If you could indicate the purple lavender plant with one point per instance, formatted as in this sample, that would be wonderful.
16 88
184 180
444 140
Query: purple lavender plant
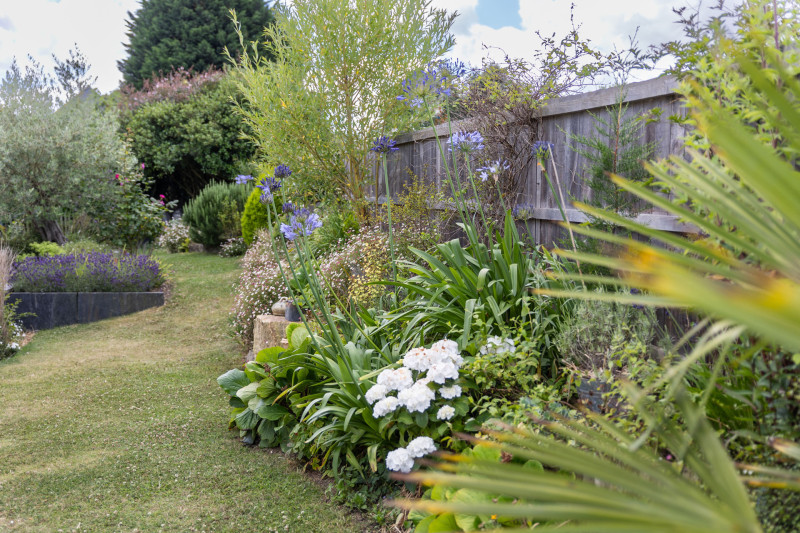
87 272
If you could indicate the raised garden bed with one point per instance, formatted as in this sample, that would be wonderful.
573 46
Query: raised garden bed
54 309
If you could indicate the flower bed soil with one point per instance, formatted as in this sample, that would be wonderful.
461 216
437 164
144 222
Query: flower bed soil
54 309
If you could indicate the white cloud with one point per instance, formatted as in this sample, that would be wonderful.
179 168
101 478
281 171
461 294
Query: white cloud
605 24
41 28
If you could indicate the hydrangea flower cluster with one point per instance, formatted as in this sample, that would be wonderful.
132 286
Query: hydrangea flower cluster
301 222
496 345
466 142
433 366
493 169
384 145
402 459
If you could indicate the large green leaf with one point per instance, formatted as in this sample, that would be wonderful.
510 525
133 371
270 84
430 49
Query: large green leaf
233 380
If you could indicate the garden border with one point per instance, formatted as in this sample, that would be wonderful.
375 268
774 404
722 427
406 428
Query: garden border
54 309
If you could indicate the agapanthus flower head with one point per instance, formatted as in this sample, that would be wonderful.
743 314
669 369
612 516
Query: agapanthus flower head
302 222
523 211
493 169
455 68
282 171
431 82
384 145
466 142
287 207
541 148
268 187
241 179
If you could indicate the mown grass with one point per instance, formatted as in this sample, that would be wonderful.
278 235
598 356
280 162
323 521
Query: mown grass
120 426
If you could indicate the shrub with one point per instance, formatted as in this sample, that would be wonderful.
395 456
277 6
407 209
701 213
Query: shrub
233 247
175 237
79 246
45 249
10 331
202 213
254 216
185 129
260 285
92 272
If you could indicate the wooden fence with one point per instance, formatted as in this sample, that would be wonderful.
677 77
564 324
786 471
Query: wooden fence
419 154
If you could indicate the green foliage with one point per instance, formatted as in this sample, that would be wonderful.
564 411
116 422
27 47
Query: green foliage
333 85
254 216
186 139
57 157
46 249
175 237
597 332
84 246
167 34
202 213
133 219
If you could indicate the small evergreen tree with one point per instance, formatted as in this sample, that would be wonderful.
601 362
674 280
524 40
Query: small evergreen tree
168 34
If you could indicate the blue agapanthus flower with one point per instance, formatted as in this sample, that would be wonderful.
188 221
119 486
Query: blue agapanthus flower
465 141
282 171
268 187
241 179
433 82
492 169
287 207
384 145
302 222
541 148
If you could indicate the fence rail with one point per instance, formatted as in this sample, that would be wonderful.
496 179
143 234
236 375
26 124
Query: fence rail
561 118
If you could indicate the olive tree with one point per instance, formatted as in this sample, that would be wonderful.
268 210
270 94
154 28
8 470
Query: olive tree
57 158
324 81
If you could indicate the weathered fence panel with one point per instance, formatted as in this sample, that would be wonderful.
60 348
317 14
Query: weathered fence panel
419 154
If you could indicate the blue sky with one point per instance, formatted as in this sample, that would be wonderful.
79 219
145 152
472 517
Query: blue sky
485 27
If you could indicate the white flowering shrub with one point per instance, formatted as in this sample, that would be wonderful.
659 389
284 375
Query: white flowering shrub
427 399
233 247
10 336
175 236
260 285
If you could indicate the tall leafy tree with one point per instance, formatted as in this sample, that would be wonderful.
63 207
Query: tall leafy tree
169 34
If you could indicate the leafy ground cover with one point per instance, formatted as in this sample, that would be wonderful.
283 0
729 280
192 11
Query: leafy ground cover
115 426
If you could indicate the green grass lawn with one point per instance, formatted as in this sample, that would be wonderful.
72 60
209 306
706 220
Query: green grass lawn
120 426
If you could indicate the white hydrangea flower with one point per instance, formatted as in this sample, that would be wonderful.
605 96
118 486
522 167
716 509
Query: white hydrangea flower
417 398
421 359
375 393
421 446
497 344
441 372
445 353
448 393
385 406
446 412
399 460
446 345
398 379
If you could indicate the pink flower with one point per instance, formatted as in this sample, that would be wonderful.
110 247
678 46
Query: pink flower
116 176
142 166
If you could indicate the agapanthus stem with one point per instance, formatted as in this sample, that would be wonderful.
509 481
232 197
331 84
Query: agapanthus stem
389 216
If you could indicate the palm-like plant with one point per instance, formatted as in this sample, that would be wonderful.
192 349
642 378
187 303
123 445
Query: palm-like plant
746 272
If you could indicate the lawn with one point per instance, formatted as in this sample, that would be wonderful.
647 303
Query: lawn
120 426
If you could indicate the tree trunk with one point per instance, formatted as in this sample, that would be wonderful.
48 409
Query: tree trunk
51 231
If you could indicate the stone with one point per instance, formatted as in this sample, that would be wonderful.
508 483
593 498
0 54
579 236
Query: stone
269 331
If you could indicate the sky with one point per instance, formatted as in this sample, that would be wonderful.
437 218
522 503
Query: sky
41 28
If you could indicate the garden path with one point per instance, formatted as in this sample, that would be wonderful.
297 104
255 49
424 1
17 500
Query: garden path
120 426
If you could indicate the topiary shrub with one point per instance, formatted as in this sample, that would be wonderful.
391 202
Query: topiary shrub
202 213
254 217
